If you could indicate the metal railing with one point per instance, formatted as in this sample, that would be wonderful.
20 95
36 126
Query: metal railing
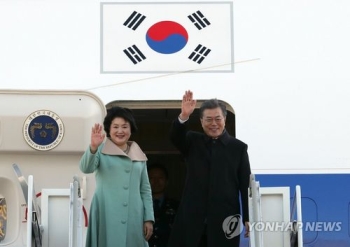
296 237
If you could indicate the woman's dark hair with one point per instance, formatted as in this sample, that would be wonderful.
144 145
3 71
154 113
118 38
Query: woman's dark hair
121 112
212 104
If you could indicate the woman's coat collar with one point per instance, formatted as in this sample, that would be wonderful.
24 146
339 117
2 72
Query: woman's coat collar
135 152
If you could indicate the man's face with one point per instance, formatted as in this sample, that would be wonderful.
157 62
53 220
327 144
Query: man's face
213 122
157 180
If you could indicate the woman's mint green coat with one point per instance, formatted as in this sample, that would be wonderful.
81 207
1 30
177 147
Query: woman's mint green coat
122 201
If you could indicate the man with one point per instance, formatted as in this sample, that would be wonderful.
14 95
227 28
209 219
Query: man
164 208
218 173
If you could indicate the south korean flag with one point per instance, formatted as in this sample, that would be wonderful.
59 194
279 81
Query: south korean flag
161 37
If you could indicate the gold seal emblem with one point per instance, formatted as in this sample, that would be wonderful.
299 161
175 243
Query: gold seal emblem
43 130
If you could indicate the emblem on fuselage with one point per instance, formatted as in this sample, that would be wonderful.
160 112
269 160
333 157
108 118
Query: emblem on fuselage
43 130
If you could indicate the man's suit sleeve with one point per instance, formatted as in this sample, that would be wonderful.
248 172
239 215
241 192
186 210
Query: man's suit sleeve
244 177
178 134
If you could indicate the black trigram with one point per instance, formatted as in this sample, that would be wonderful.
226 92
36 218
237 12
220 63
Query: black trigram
199 54
134 20
134 54
199 20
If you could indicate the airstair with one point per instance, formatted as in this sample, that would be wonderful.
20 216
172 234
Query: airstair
275 219
55 227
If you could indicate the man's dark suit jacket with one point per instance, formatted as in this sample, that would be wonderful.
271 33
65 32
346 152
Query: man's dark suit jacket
218 172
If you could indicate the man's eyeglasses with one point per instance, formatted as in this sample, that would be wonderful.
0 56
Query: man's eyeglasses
210 120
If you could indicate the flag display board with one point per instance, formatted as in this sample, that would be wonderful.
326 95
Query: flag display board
159 37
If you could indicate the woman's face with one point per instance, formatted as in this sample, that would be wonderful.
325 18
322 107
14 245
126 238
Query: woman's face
120 132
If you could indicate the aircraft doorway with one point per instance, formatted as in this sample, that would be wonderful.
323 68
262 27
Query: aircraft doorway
153 119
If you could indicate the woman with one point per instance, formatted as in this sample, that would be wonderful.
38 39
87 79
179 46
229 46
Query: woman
121 213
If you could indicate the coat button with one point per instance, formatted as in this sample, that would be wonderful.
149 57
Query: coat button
125 204
126 187
123 221
127 170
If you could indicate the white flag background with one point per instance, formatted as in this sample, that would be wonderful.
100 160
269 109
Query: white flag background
116 37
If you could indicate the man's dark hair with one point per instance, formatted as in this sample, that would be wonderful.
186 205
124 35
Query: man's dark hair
121 112
158 166
212 104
